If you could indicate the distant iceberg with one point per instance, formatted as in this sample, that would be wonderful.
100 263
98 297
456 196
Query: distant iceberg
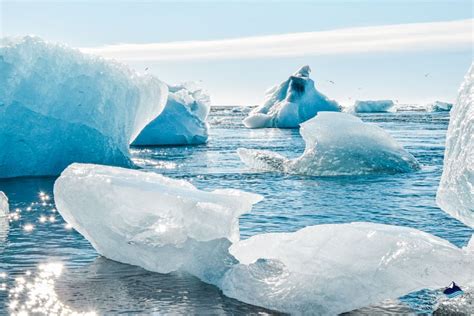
290 103
337 144
152 221
373 106
456 189
335 268
439 106
59 106
182 122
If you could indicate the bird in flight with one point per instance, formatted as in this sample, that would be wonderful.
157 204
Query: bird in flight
427 74
331 81
146 68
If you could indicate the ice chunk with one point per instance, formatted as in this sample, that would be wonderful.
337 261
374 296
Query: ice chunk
439 106
4 224
59 106
336 268
148 220
337 144
456 189
182 122
373 106
290 103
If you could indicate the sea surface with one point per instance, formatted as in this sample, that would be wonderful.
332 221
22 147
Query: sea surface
45 266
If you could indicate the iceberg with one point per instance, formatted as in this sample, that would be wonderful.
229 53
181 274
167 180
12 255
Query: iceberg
290 103
456 189
59 106
439 106
373 106
182 122
337 144
335 268
148 220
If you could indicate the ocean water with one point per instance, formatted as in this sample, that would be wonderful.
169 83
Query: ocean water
45 266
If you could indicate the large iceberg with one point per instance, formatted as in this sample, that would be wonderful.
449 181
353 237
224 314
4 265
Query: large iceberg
337 144
456 189
335 268
59 106
372 106
148 220
290 103
439 106
182 122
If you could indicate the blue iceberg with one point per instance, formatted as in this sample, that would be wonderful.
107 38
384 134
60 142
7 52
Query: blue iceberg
182 122
59 106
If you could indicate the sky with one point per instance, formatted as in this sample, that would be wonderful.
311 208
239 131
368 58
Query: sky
410 51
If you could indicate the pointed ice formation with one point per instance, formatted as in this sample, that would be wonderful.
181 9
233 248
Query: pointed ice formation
182 122
337 144
456 189
290 103
59 106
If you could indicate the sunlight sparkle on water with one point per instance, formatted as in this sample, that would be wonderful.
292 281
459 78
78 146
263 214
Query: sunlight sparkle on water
34 293
28 227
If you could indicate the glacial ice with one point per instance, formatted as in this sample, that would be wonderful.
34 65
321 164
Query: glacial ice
337 144
145 219
59 106
290 103
456 189
182 122
335 268
148 220
4 223
439 106
4 208
372 106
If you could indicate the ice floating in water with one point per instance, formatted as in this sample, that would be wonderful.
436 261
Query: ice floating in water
163 225
290 103
148 220
373 106
439 106
456 189
330 269
4 224
182 122
337 144
59 106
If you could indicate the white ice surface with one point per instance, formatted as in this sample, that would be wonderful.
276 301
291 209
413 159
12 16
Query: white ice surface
148 220
337 144
456 189
373 106
182 122
335 268
59 106
290 103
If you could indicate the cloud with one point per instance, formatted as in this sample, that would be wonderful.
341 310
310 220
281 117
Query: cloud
433 36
